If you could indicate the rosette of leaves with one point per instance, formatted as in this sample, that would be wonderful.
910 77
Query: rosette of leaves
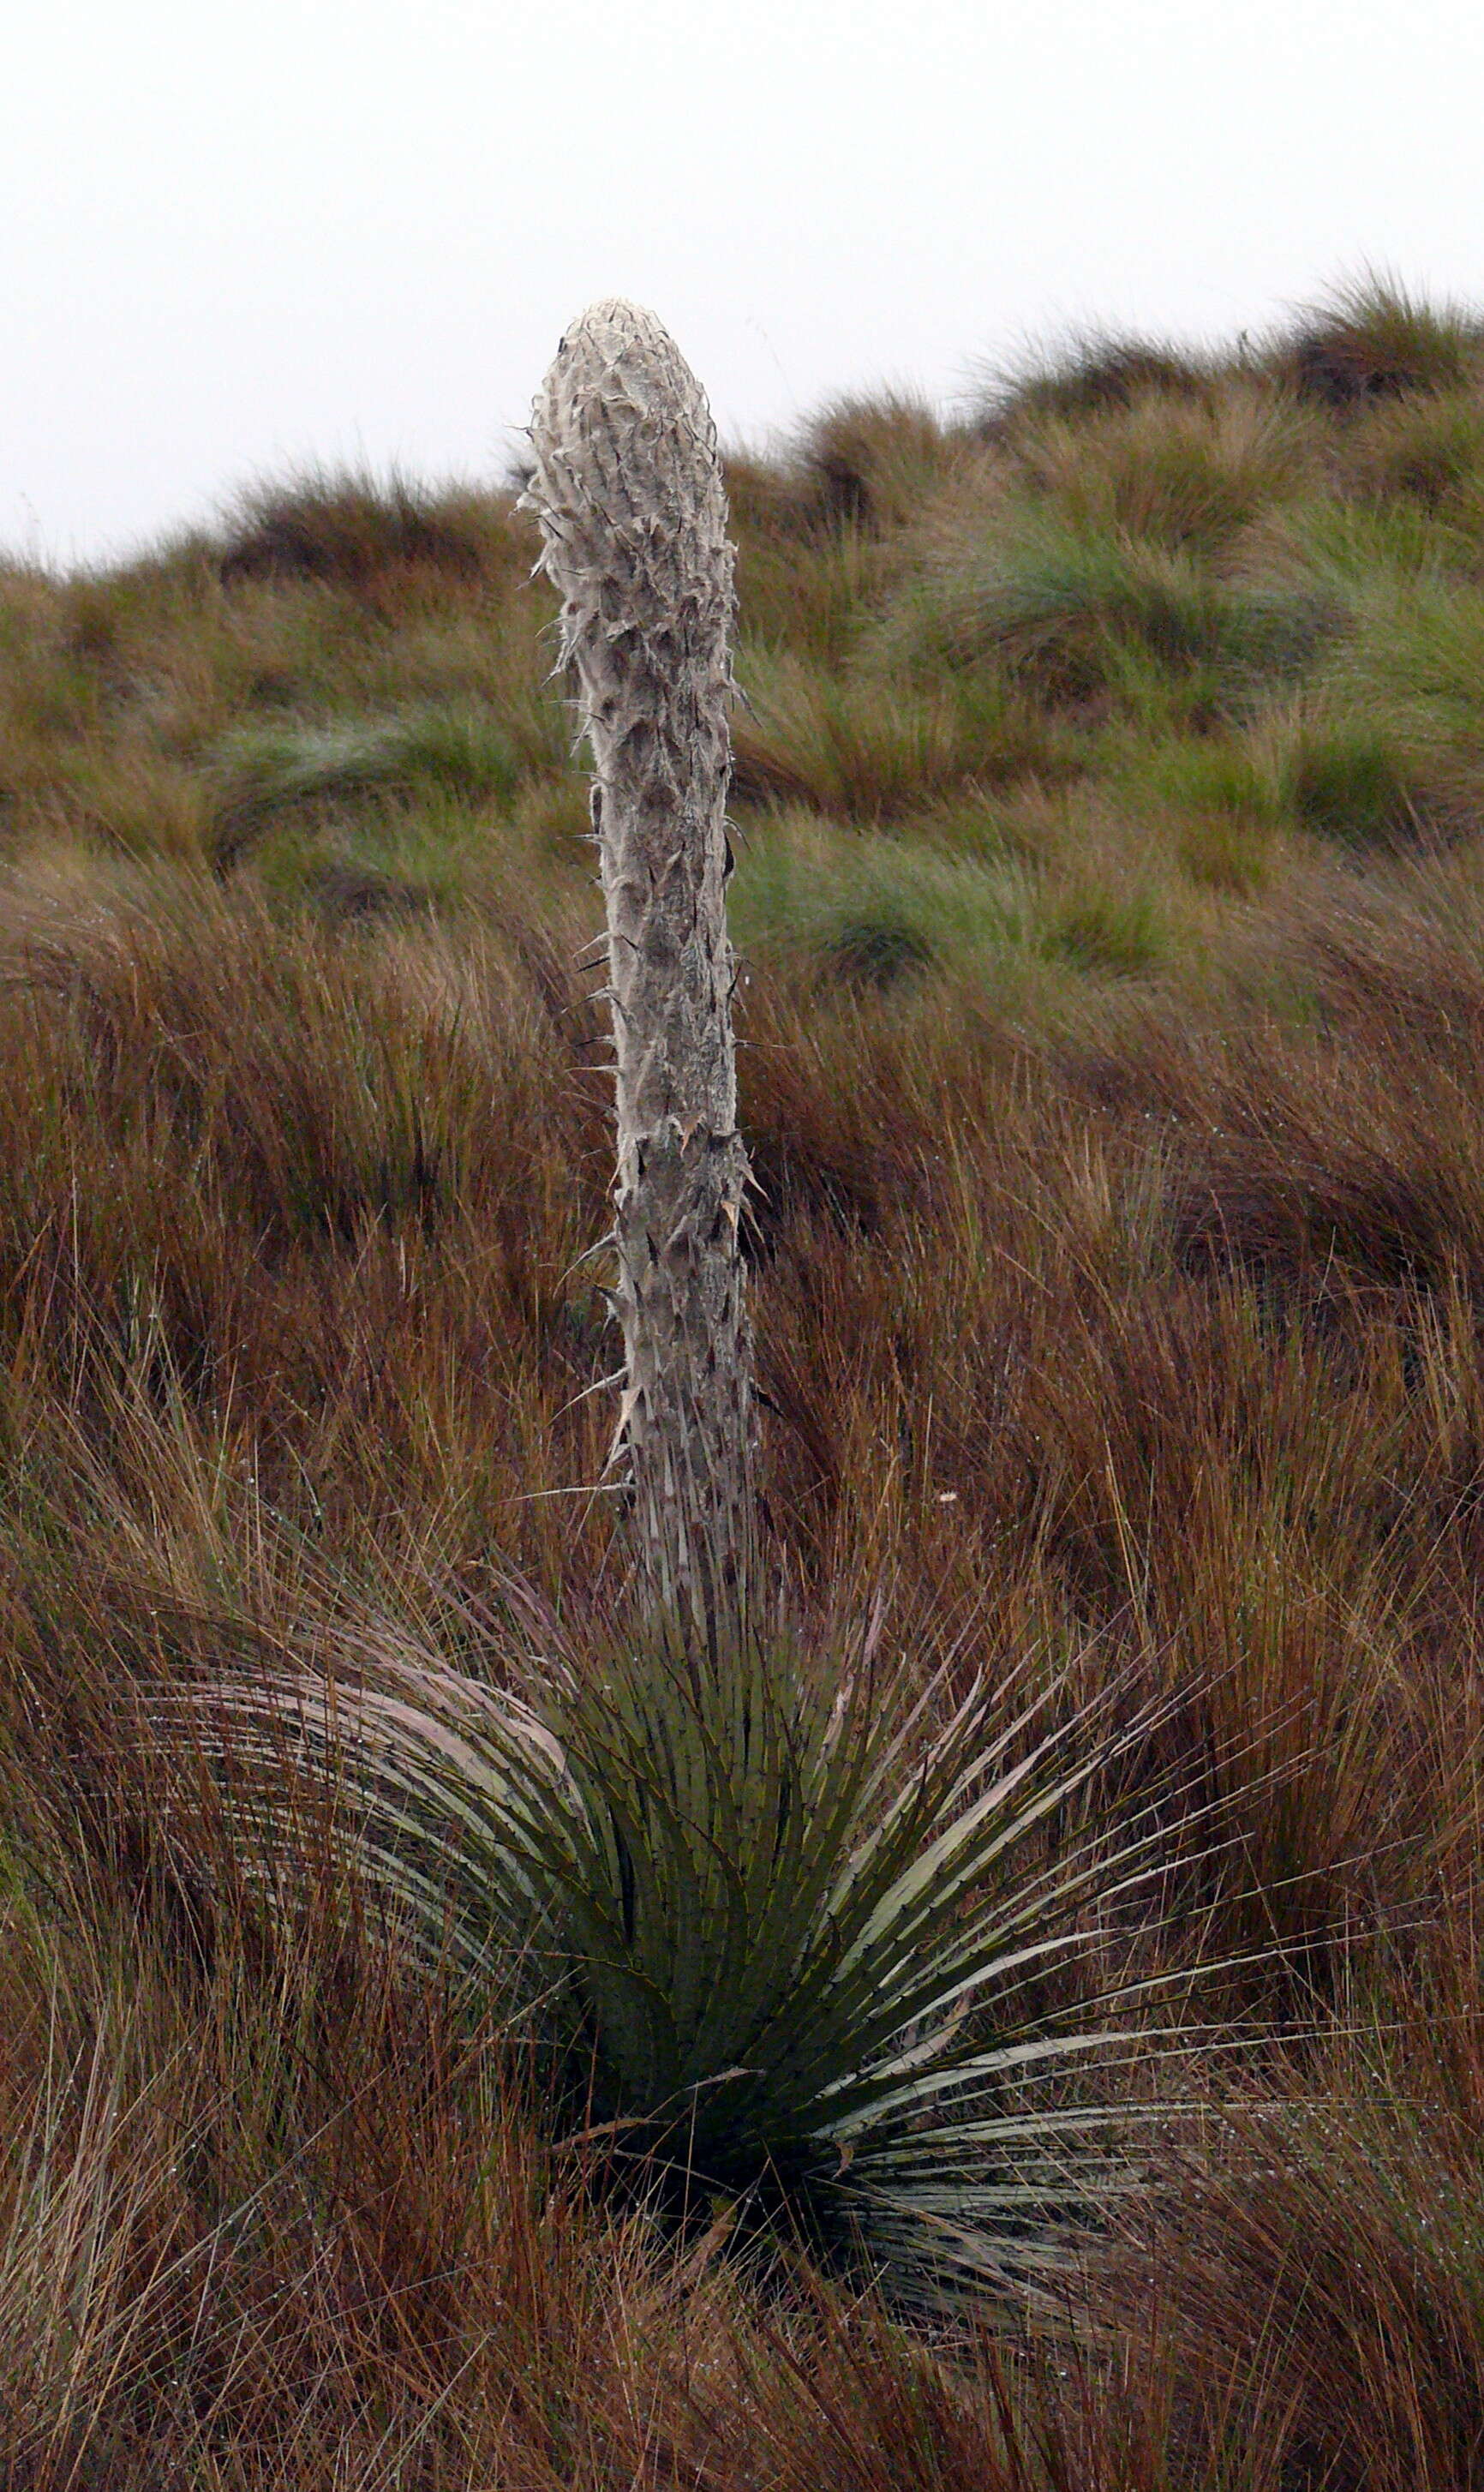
786 1945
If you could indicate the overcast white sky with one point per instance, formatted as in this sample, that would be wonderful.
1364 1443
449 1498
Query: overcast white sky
241 235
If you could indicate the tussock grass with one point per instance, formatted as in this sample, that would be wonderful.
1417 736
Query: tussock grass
1372 338
358 530
1082 613
1112 1021
1193 475
1085 374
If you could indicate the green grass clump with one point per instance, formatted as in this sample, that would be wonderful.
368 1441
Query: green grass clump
1349 781
1427 451
1187 476
867 748
264 772
1211 803
1402 695
1116 933
1079 615
872 909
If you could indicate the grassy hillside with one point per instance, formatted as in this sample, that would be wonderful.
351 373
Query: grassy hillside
1108 792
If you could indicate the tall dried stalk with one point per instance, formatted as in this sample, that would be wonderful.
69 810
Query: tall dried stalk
628 487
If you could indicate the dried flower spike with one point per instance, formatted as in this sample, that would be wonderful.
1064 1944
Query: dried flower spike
626 484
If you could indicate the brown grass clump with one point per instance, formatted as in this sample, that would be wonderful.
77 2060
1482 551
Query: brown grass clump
1089 374
1373 340
355 531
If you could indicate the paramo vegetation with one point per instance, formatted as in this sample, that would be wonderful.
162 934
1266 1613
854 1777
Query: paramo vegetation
1030 2038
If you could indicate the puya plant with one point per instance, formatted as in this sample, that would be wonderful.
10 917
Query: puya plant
626 483
783 1940
780 1933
